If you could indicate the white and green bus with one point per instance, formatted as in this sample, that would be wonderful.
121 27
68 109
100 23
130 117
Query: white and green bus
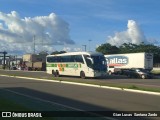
83 64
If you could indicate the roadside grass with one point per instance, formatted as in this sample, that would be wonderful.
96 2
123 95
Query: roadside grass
103 83
143 88
122 86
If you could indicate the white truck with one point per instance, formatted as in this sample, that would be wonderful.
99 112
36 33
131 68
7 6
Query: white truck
119 62
36 62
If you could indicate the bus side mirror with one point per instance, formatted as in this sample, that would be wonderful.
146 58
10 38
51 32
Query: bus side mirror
90 60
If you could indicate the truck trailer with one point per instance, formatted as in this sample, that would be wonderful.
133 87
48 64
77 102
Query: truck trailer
35 62
36 66
119 62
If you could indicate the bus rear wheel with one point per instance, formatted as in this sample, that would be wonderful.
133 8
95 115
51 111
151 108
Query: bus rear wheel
57 73
82 75
53 73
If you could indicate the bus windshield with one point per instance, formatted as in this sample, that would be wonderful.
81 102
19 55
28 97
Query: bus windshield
96 62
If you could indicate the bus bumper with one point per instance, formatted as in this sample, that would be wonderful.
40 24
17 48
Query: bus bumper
100 74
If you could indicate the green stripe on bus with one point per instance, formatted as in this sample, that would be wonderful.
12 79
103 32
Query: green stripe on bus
71 65
51 65
65 65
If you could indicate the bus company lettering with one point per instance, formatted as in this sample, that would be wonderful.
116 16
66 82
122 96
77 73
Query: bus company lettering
117 60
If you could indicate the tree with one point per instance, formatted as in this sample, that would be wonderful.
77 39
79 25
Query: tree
148 48
131 48
107 49
57 52
43 53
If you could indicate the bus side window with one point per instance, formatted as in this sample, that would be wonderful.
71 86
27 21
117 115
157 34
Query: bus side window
53 59
72 59
64 58
78 58
59 59
48 59
67 58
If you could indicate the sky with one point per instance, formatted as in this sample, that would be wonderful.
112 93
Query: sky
56 25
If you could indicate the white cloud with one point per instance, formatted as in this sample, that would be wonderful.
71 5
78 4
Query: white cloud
77 49
132 35
1 26
14 31
69 49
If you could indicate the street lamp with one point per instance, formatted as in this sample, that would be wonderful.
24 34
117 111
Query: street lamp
84 47
89 44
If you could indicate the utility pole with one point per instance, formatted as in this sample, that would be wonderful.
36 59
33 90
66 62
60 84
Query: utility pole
4 59
42 44
34 44
16 59
89 45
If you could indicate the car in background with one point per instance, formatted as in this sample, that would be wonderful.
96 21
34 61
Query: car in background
138 73
13 68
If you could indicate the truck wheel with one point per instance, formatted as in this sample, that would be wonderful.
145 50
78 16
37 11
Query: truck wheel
82 75
143 76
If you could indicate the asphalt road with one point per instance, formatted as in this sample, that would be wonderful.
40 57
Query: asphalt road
82 97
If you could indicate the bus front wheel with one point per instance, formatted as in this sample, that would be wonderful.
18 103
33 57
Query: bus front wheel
82 75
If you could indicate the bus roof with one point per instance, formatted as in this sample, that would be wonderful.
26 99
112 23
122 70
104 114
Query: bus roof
78 53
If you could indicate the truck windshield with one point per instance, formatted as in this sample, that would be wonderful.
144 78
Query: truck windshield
96 62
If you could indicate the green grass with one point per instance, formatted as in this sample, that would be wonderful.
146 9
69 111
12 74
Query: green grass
133 87
157 72
103 83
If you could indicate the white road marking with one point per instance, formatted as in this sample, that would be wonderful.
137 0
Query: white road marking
54 103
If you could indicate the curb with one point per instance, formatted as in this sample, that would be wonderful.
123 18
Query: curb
89 85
